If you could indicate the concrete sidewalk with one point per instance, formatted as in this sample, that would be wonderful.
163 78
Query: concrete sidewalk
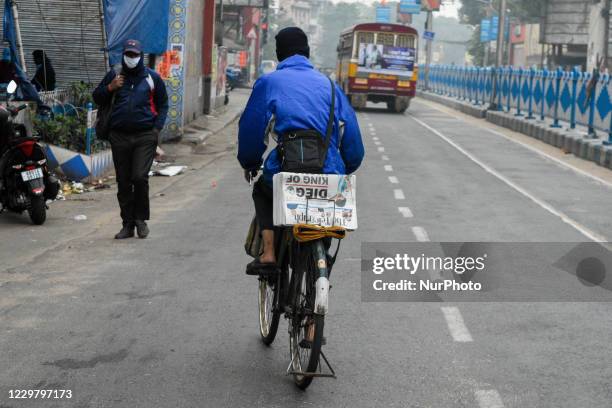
575 141
206 125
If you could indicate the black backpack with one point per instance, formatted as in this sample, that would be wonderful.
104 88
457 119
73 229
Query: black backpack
305 151
103 119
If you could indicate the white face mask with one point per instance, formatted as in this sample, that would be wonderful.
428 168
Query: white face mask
131 62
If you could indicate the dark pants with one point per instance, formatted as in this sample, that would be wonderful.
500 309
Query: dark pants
263 199
133 155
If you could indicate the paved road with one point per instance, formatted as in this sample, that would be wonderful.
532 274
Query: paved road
172 321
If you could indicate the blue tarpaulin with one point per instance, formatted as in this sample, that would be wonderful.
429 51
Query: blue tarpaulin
26 90
142 20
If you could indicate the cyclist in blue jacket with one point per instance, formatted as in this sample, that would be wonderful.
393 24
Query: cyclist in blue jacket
297 97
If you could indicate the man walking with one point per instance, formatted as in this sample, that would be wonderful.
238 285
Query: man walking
139 108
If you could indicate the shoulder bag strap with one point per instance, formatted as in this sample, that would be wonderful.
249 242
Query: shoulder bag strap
110 109
330 122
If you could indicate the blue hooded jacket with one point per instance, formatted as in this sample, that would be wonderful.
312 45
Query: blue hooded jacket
300 98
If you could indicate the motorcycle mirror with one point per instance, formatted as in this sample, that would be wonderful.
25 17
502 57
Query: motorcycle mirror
12 87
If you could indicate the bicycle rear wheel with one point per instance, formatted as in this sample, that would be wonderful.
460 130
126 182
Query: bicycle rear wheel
306 329
268 315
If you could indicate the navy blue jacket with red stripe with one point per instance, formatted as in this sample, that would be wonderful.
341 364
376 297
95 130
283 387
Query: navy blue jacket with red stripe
136 107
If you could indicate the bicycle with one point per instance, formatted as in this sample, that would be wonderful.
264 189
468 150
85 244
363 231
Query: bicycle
301 292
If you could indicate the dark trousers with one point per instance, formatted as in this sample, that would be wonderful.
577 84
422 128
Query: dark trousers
264 204
133 155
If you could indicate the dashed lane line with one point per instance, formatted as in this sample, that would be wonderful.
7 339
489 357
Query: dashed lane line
388 167
399 194
385 157
420 234
456 326
381 149
405 211
393 180
489 399
566 219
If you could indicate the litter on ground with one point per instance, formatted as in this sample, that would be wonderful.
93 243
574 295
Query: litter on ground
168 171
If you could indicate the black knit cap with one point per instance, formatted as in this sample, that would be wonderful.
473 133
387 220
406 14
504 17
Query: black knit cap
291 41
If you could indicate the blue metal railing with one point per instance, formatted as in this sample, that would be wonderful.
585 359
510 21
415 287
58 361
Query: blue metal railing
563 96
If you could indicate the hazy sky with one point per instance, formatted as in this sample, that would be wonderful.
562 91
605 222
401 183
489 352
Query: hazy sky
449 9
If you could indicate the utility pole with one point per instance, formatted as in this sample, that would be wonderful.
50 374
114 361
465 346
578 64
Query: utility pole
428 47
501 34
489 13
499 60
221 24
103 28
599 31
18 36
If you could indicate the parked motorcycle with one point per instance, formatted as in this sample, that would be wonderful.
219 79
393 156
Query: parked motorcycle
25 181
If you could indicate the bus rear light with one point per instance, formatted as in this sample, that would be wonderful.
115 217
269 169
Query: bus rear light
361 81
404 84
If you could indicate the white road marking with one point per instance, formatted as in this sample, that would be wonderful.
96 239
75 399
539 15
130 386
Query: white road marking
566 219
381 149
456 326
489 399
420 234
405 211
399 194
385 157
377 143
393 180
375 138
554 159
388 167
539 152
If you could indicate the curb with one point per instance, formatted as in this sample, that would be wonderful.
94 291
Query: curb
568 140
467 108
196 135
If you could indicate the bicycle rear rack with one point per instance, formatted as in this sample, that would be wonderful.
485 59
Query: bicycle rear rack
314 374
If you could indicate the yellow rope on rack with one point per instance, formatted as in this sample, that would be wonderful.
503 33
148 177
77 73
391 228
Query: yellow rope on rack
307 232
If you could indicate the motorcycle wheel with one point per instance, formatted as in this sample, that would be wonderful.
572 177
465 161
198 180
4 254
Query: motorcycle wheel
38 210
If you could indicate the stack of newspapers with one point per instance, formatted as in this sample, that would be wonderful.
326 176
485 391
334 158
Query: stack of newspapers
319 199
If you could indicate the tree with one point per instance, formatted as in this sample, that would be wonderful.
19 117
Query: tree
473 11
335 18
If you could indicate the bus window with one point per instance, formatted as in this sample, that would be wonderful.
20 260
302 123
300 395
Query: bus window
366 37
406 41
346 45
385 38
